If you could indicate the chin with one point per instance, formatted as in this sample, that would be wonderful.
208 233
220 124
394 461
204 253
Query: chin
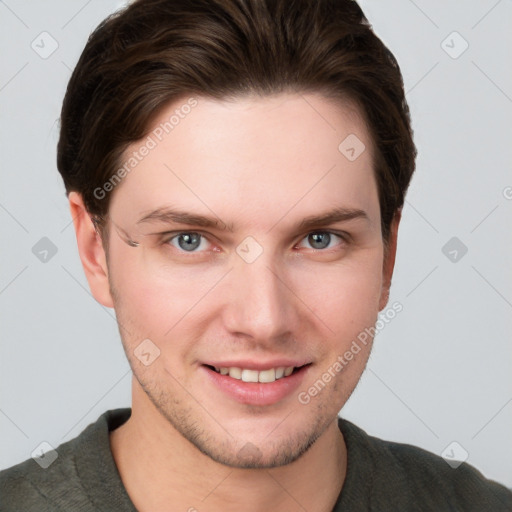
252 456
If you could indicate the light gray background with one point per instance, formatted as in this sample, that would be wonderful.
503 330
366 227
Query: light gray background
440 372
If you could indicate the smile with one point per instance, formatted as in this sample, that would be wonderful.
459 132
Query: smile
247 375
265 385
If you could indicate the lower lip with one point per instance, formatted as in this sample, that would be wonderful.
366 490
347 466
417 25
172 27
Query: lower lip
257 393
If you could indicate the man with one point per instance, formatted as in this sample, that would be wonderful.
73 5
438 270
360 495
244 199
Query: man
236 172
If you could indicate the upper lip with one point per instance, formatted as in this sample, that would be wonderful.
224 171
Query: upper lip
250 364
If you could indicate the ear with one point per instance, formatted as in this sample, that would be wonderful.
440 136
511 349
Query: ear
92 253
389 260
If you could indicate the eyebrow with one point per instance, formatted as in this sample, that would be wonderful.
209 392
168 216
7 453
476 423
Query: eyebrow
170 215
333 216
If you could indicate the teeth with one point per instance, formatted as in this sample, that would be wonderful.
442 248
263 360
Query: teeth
236 373
250 375
267 375
247 375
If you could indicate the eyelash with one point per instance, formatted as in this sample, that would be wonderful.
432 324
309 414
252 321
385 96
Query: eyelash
169 236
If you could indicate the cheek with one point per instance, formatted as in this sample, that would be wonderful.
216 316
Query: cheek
155 301
346 300
344 295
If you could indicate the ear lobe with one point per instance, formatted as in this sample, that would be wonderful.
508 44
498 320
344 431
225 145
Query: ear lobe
92 253
389 260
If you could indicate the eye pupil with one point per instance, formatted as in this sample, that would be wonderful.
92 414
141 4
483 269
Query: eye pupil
189 241
319 240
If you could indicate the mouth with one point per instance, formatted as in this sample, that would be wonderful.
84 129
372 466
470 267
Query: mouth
249 375
262 386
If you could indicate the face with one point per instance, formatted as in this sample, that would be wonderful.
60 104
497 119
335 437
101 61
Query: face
258 253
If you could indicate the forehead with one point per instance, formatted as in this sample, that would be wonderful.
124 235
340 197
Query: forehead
254 158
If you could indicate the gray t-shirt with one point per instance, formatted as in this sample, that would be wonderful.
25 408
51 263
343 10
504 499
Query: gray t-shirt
381 476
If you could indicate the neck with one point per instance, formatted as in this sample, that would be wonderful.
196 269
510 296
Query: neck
163 471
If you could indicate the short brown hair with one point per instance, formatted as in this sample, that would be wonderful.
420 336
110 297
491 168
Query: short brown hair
155 51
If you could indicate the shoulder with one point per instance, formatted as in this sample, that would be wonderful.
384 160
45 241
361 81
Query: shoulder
415 478
22 488
31 486
55 482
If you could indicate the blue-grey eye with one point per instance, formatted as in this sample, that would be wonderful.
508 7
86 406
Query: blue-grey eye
188 241
319 240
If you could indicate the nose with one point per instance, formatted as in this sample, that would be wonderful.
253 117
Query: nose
259 303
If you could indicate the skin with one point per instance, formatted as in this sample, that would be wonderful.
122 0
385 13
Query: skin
260 165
